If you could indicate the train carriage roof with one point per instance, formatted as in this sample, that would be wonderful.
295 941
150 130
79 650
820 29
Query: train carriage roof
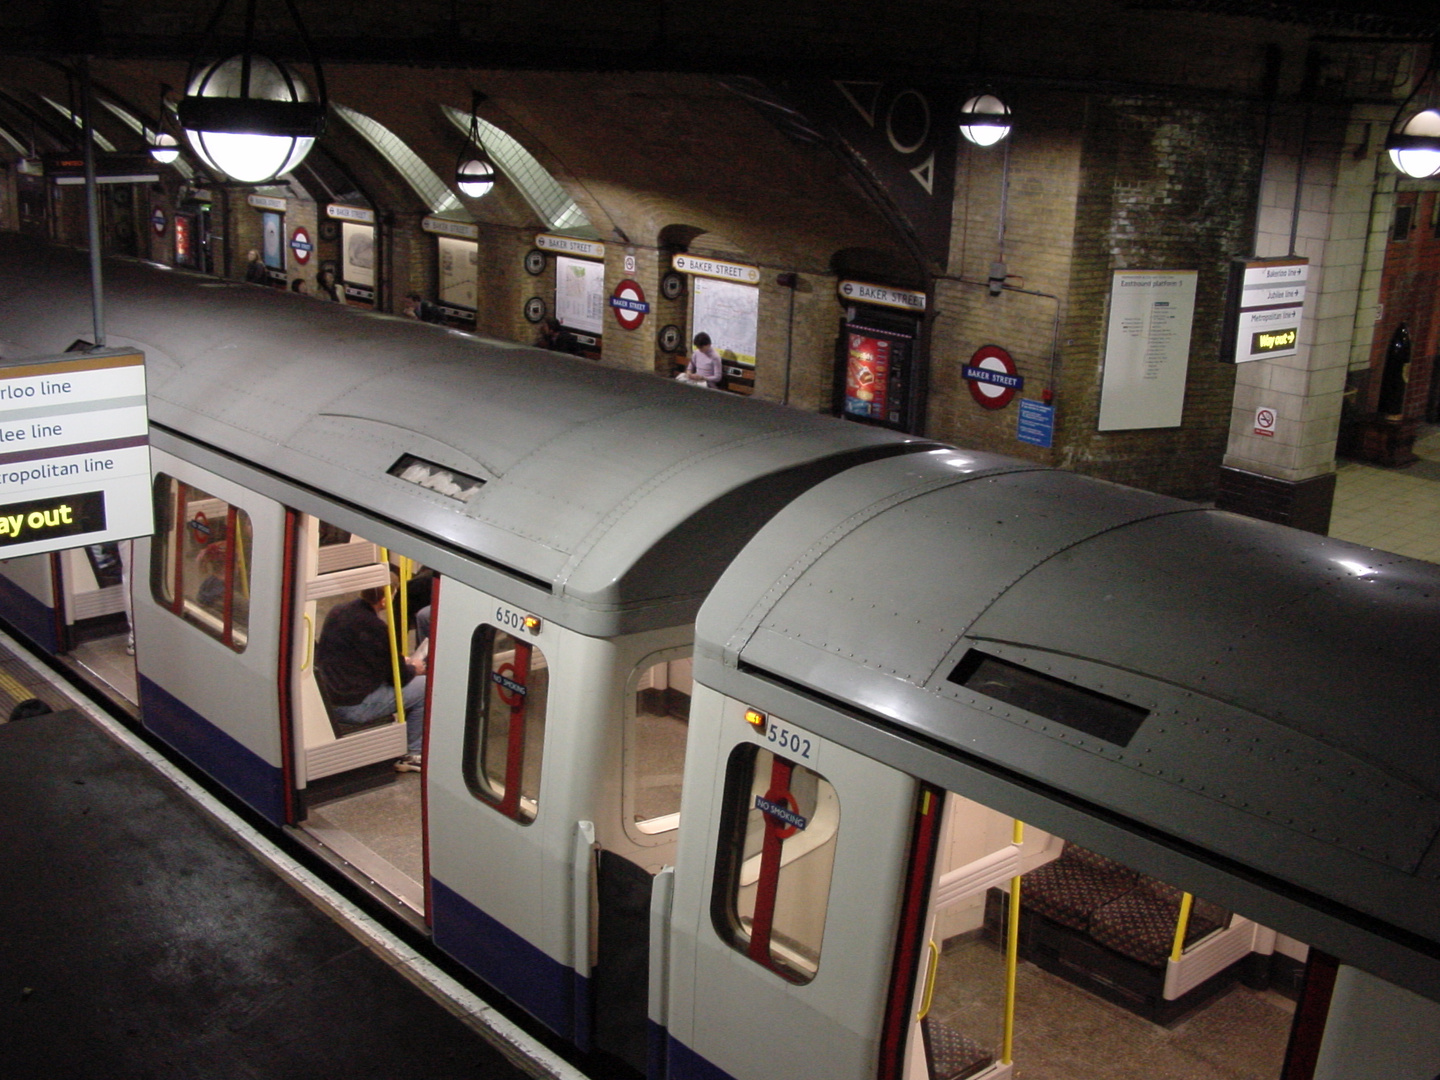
622 494
1266 694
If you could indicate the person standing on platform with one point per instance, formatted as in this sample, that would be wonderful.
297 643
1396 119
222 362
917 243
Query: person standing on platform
353 657
705 364
255 271
325 285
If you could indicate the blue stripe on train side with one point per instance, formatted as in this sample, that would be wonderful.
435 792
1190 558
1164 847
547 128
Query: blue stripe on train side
685 1064
215 752
540 985
32 619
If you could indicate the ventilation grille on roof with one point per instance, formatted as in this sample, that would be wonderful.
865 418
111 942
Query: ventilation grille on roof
436 478
1077 707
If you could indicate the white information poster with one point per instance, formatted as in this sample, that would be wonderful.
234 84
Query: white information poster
730 313
459 262
1147 349
357 244
580 294
74 452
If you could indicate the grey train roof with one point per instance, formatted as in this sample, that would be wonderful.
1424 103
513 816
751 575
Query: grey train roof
622 494
1282 689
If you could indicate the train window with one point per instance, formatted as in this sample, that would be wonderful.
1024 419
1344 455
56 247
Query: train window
777 851
1086 711
200 560
505 722
657 720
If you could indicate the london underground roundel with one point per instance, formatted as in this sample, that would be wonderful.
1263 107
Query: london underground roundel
993 377
629 303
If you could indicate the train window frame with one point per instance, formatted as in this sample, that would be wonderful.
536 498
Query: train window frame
738 867
660 828
171 561
514 800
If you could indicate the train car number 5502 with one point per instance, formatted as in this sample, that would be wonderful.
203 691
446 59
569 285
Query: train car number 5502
795 745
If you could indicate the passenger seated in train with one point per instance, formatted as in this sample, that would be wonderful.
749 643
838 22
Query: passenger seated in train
352 659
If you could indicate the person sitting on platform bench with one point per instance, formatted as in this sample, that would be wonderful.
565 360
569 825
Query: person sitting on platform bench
353 654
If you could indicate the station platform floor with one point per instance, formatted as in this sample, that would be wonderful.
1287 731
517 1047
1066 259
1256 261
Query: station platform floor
1392 509
141 935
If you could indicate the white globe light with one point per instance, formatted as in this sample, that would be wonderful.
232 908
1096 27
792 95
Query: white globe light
984 120
475 178
1415 150
165 149
253 138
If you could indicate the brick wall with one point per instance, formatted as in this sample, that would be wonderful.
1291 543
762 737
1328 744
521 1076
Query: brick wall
1164 185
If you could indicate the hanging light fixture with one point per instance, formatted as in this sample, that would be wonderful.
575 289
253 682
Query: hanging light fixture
1414 146
984 119
247 116
474 172
164 147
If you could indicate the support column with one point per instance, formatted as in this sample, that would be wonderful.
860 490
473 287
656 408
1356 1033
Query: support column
1289 476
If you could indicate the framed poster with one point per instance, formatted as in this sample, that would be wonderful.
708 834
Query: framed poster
730 313
877 370
1147 349
184 240
357 254
459 271
580 294
272 232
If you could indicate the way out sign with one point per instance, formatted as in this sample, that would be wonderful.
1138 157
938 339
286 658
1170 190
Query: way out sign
74 452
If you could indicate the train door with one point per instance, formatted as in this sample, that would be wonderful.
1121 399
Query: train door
510 848
208 629
787 902
636 829
357 793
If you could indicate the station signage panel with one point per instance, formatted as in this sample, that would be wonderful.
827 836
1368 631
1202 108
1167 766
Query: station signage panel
716 268
862 292
68 169
341 212
266 202
74 452
570 245
446 227
1264 306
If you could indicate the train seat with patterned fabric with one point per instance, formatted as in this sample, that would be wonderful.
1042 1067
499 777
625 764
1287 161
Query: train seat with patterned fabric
949 1054
1141 924
1071 888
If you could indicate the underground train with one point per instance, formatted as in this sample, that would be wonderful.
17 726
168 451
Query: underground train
742 723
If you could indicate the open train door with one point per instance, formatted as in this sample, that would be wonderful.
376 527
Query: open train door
789 902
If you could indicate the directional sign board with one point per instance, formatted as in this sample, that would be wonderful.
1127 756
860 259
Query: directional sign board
1264 306
74 451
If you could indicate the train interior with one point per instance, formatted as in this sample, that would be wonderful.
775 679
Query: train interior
355 804
92 594
1099 987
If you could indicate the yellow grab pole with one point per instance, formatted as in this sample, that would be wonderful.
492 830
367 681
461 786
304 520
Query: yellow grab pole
1181 925
405 599
932 968
1012 955
394 646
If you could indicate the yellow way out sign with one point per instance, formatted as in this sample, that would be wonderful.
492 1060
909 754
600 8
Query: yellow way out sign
74 451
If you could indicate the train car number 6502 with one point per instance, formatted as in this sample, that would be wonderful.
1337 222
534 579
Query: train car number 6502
509 618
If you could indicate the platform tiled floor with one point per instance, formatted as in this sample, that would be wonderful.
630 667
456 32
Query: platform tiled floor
1392 509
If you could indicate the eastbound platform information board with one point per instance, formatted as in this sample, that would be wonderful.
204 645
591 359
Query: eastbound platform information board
74 451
